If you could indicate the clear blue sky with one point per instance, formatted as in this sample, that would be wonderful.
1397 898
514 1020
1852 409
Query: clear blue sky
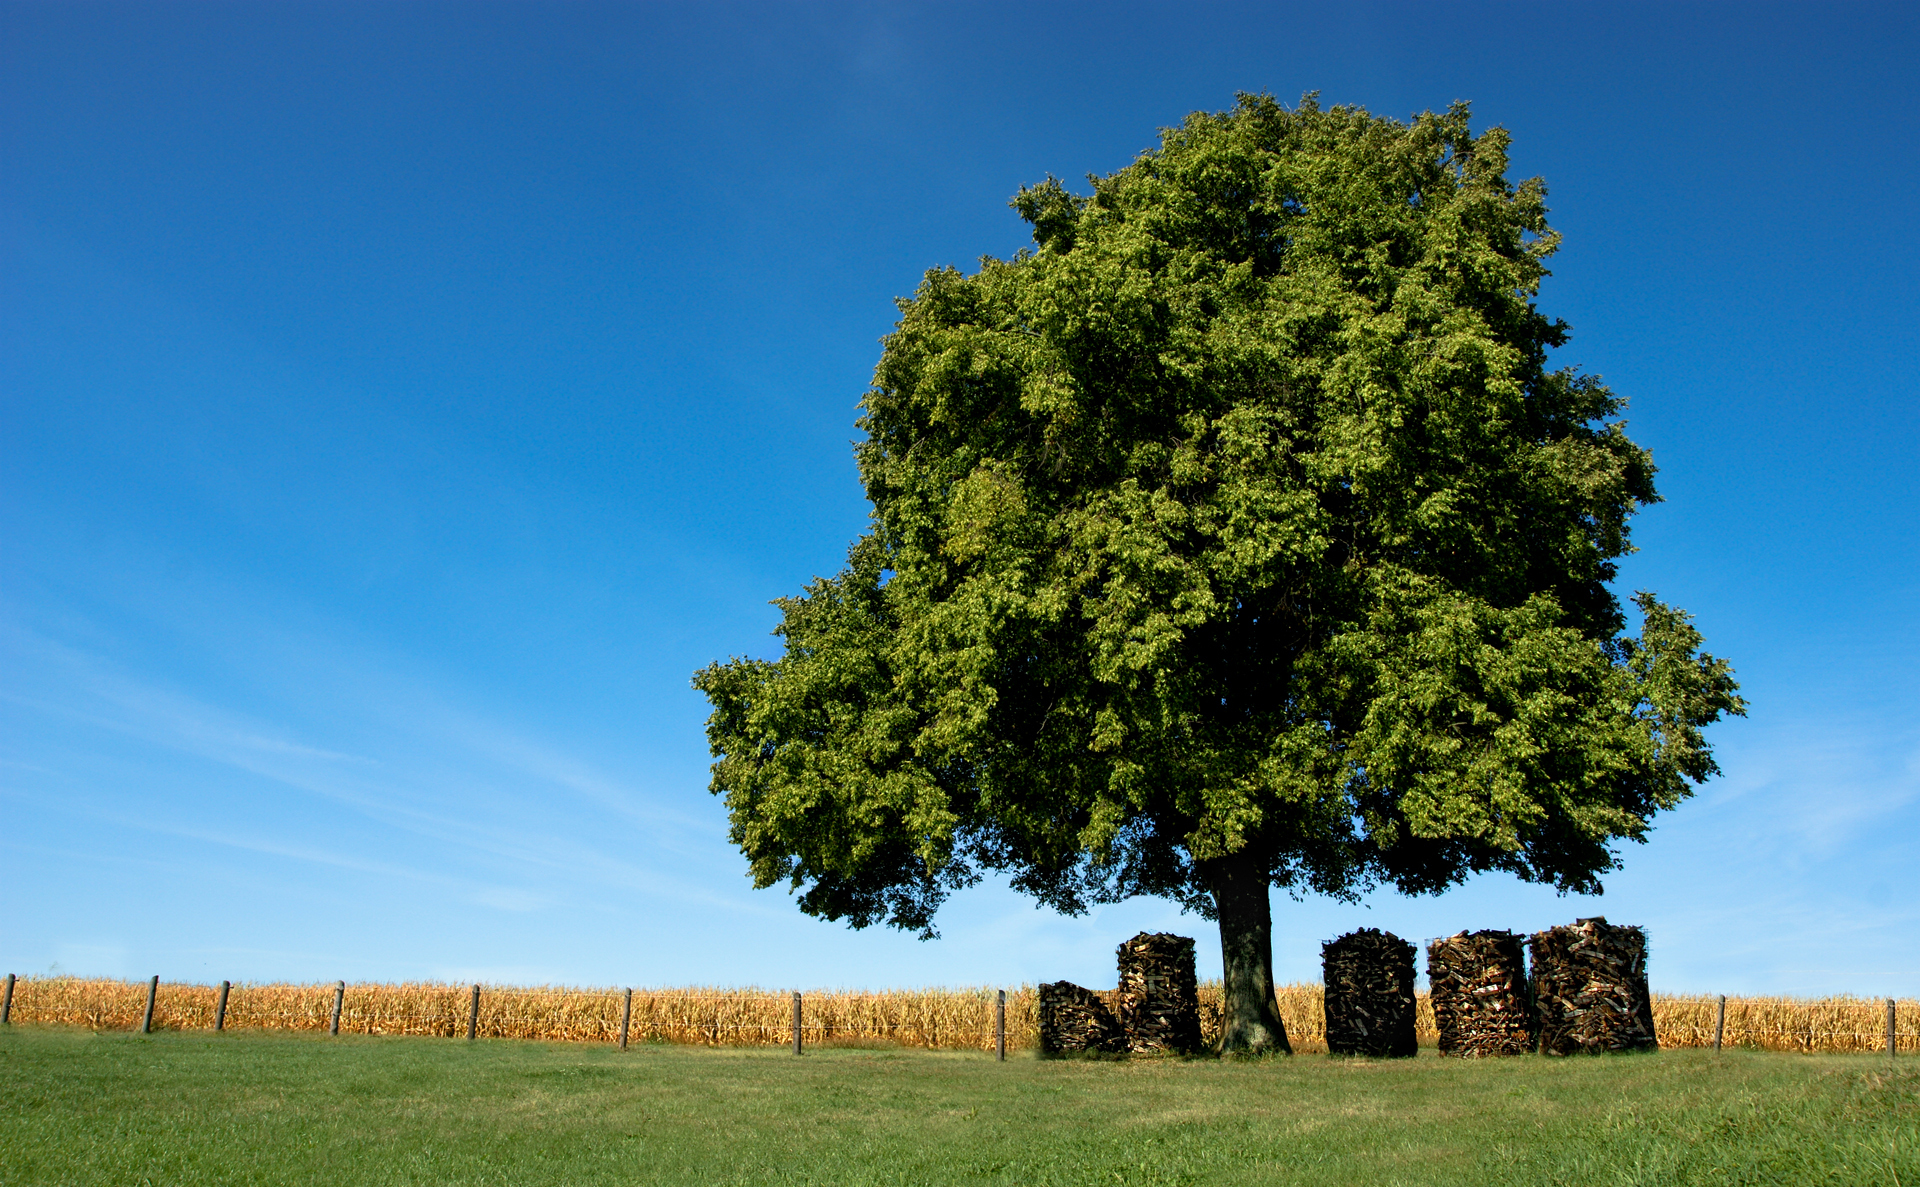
398 402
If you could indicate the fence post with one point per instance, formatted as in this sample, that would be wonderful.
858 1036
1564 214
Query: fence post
473 1015
6 1007
796 1022
153 990
1889 1028
220 1007
339 996
626 1016
1000 1027
1719 1021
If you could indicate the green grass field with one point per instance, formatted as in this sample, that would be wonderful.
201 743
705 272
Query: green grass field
259 1108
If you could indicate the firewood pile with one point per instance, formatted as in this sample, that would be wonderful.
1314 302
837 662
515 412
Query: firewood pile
1590 984
1075 1021
1159 997
1369 994
1481 1000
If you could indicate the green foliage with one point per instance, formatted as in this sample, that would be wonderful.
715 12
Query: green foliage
1242 515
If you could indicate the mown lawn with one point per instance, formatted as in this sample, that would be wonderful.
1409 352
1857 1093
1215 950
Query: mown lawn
259 1108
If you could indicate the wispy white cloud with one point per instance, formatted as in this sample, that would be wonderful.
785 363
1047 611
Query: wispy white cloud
447 775
431 794
507 898
313 855
1814 788
541 763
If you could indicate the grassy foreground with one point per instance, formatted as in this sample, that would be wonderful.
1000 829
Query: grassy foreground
81 1107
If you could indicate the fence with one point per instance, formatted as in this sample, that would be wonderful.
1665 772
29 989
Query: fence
948 1019
712 1017
1826 1025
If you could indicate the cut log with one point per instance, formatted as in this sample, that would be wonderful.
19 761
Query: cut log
1590 987
1369 994
1074 1021
1481 1002
1159 998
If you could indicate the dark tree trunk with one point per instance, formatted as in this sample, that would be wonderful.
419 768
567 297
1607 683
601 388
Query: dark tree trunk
1249 1021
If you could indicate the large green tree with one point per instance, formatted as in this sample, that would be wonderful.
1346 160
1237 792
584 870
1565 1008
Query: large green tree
1235 536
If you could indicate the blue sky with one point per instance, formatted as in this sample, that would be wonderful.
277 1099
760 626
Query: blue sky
399 402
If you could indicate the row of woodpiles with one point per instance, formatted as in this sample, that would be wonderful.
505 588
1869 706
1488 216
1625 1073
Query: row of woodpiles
1588 992
1157 1004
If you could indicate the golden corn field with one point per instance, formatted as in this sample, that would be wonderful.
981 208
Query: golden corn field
944 1018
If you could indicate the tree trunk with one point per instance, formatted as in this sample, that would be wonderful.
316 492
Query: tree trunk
1249 1022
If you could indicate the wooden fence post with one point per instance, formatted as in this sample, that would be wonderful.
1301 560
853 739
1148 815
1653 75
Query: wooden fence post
796 1023
1890 1034
6 1007
626 1016
1719 1021
339 996
153 990
220 1007
1000 1027
473 1015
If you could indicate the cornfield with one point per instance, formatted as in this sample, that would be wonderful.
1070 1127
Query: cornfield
1819 1024
936 1018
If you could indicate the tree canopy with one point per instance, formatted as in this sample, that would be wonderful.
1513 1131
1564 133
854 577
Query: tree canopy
1237 535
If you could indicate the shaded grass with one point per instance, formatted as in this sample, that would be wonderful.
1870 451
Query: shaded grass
260 1107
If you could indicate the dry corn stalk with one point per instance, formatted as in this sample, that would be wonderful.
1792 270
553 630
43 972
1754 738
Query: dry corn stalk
941 1018
1821 1025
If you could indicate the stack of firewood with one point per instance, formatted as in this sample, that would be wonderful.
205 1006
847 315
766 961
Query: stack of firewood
1590 985
1075 1021
1369 994
1159 996
1480 996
